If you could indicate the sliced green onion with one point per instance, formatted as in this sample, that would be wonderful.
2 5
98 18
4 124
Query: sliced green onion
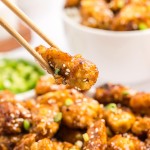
125 93
68 102
142 26
86 137
112 107
57 71
26 125
58 117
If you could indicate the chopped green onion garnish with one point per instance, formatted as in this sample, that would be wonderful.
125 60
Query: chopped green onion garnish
57 71
26 125
86 137
58 117
112 107
125 93
68 102
142 26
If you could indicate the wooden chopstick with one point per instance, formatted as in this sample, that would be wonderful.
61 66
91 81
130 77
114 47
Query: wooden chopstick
25 44
28 21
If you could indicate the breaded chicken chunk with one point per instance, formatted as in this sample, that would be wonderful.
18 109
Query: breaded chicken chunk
47 144
119 120
81 113
12 117
45 120
133 16
125 142
96 14
140 103
96 136
113 93
47 84
141 126
75 71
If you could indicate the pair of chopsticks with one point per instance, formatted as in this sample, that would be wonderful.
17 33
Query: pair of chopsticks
20 39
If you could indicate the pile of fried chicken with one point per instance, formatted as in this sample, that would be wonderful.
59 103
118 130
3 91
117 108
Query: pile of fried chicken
118 15
63 118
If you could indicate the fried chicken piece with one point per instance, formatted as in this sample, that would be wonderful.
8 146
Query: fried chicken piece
124 142
141 126
119 120
45 120
81 113
60 97
6 96
96 14
140 103
75 71
70 135
72 3
25 142
117 5
113 93
8 142
133 16
47 144
96 136
47 84
12 116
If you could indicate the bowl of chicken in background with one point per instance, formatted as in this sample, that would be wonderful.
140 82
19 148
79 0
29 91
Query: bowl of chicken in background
116 41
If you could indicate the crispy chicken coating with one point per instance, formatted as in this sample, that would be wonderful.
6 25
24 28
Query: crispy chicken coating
81 113
96 136
140 103
113 93
45 120
119 120
132 17
47 84
125 142
117 5
8 142
12 116
72 3
25 142
6 96
96 13
60 97
75 71
47 144
141 126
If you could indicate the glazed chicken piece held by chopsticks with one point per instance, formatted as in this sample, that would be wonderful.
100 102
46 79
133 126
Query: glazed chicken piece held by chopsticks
75 71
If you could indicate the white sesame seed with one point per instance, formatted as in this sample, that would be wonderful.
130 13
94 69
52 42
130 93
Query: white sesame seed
66 73
84 80
12 115
68 70
64 65
96 130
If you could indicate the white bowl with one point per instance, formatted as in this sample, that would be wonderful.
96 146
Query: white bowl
120 56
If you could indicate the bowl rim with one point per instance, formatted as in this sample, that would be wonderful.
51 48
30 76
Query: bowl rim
96 31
